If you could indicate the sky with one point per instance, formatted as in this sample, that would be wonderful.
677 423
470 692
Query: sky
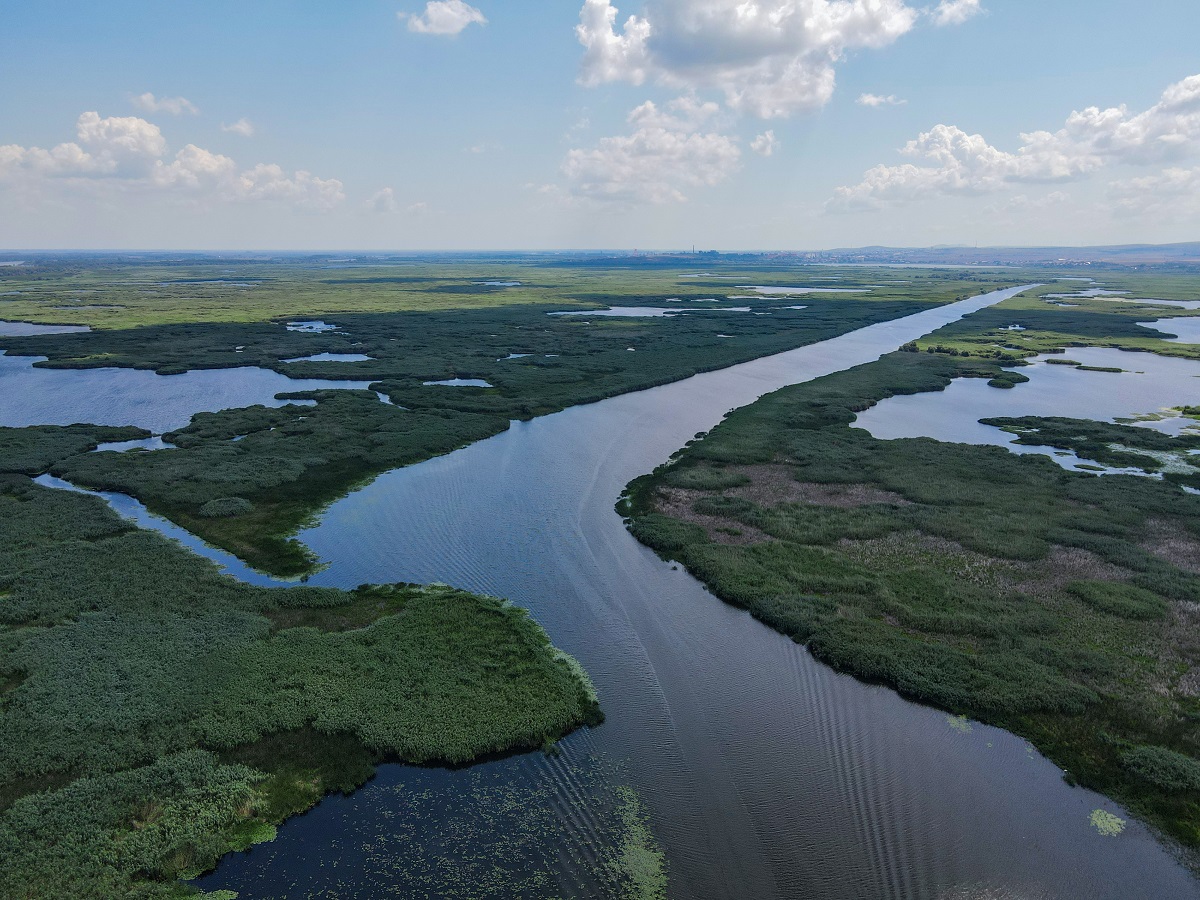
632 124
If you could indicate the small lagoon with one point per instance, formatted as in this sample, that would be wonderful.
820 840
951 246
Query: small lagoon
1145 393
331 357
460 382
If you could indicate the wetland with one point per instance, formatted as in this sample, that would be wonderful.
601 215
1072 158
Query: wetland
732 761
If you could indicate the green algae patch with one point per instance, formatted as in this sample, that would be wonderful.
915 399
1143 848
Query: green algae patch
961 724
1106 823
639 861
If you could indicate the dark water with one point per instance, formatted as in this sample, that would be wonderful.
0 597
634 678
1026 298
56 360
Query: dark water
765 773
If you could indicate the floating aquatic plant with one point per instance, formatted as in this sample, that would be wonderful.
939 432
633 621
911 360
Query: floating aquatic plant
1106 823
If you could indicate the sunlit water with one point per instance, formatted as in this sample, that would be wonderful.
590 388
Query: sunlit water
1185 328
765 773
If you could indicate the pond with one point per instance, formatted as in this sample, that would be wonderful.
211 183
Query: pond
1147 386
460 382
158 403
331 357
769 291
27 329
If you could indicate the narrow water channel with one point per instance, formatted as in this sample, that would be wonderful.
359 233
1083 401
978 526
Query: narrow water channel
765 774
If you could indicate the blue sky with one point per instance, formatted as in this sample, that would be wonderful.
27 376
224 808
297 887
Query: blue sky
402 125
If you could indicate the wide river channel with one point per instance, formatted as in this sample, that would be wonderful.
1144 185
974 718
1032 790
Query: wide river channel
764 773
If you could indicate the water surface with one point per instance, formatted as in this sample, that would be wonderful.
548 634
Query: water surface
459 382
158 403
1185 328
331 357
25 329
1150 385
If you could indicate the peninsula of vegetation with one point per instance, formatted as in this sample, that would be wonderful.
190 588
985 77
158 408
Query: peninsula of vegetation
155 714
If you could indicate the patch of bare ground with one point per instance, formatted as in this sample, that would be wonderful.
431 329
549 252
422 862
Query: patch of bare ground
1168 543
1062 565
1183 643
677 503
914 549
772 484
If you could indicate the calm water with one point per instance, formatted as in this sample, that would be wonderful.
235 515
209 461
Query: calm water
1186 329
331 357
1149 385
765 773
25 329
158 403
459 382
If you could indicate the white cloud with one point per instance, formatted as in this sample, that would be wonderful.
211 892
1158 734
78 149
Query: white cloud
770 58
665 153
955 12
444 17
1174 192
303 189
418 208
194 167
242 126
123 145
876 100
131 153
175 106
954 162
1023 203
765 144
383 201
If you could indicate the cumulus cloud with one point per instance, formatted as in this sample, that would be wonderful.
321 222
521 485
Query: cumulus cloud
876 100
444 17
770 58
765 144
119 145
128 152
665 152
955 12
954 162
242 126
175 106
383 201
